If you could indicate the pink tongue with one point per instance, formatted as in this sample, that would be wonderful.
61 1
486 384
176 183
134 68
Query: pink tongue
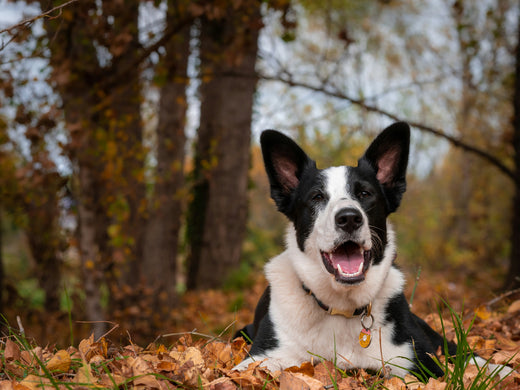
348 257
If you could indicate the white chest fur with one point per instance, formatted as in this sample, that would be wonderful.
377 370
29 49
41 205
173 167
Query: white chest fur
307 332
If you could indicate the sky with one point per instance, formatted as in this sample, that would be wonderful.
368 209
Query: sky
286 109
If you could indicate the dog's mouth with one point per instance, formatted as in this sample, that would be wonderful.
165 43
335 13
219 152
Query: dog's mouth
347 262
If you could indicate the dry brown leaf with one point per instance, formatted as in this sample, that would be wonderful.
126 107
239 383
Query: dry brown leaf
112 380
96 359
167 366
19 386
471 373
222 384
85 346
325 372
350 383
435 384
59 362
412 383
506 357
506 343
139 365
148 381
34 382
482 312
255 377
514 307
84 375
14 369
306 368
11 350
298 381
6 385
394 383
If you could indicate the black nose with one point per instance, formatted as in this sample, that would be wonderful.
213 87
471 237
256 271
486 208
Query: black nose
349 219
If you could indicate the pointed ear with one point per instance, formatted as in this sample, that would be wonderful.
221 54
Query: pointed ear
285 163
388 156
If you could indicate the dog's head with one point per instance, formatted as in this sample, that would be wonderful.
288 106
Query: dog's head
339 213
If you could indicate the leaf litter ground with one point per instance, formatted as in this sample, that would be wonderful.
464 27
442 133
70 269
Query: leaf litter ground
193 360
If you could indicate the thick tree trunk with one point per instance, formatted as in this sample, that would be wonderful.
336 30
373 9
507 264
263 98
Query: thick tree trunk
75 71
513 276
218 212
167 205
3 326
125 130
43 234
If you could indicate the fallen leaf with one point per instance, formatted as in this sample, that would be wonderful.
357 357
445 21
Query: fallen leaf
482 312
112 380
84 376
412 383
59 362
167 366
306 368
435 384
506 357
34 382
6 385
149 381
222 384
394 383
514 307
298 381
11 351
326 373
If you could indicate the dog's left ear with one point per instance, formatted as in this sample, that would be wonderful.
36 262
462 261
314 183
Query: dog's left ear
388 156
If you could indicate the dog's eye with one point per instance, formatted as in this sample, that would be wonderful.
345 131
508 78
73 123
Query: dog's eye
318 197
363 194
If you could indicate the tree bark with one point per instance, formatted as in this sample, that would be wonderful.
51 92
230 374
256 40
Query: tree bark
125 131
43 233
513 276
75 69
167 204
218 212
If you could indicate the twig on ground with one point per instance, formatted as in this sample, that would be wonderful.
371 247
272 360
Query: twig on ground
501 297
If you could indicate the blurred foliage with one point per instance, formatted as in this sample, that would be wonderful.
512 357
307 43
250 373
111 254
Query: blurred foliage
452 67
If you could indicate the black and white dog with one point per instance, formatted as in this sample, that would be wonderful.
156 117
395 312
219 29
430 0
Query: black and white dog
335 291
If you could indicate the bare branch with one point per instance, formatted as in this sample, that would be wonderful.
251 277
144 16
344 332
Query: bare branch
455 141
26 22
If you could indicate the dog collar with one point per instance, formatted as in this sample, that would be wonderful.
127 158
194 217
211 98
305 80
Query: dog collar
365 310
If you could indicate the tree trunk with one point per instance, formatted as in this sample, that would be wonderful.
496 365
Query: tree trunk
75 71
43 233
125 131
167 204
3 325
218 212
513 276
90 253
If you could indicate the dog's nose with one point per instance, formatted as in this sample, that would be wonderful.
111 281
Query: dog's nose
349 219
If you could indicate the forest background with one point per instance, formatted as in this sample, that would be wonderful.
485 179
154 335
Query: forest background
132 186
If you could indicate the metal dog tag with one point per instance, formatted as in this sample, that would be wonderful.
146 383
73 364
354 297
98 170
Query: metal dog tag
365 338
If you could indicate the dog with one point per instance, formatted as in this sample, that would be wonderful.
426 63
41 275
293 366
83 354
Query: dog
335 292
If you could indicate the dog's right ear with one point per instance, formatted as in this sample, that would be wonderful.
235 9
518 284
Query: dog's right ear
285 162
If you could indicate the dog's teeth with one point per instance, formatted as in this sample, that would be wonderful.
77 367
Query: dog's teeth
360 269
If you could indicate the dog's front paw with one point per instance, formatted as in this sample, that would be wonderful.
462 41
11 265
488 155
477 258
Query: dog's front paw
243 365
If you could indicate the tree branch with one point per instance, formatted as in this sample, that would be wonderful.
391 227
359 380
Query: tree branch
455 141
25 23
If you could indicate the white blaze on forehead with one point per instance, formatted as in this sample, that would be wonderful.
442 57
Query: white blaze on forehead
337 186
